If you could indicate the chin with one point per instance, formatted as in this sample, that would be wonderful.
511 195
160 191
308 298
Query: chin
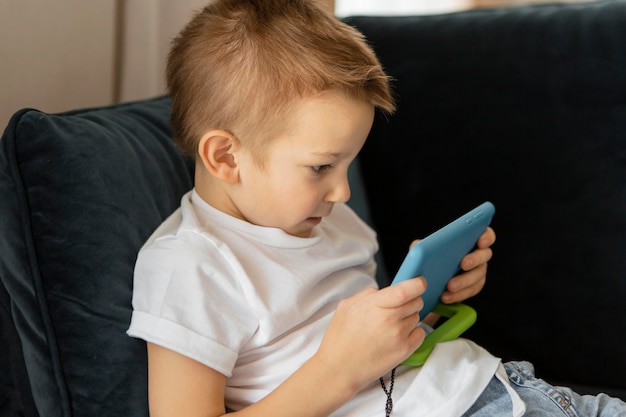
302 233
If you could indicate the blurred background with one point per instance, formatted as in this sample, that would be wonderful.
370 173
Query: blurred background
67 54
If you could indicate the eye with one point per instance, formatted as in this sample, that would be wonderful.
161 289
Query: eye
320 169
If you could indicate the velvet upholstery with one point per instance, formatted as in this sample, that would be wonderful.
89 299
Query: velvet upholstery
525 107
84 191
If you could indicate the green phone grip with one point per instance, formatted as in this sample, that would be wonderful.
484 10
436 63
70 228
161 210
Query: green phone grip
460 318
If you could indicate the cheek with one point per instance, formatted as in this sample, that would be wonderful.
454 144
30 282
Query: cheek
293 190
303 194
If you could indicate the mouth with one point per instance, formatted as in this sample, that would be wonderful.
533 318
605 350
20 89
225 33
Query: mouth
314 220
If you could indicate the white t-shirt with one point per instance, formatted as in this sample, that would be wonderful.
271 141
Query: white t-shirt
253 303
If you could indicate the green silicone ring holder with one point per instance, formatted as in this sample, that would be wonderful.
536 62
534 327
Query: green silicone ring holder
460 318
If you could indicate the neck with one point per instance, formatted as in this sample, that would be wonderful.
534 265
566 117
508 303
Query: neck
214 192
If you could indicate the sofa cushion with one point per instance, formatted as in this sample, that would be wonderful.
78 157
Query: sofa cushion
86 189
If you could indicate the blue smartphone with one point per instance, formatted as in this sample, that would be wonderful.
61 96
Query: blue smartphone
438 257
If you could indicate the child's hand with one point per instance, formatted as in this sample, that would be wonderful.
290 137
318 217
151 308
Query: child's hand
472 281
373 331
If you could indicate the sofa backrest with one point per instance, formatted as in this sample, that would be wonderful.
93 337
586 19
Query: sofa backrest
526 107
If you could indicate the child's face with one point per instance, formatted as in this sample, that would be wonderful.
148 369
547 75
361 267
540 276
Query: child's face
305 170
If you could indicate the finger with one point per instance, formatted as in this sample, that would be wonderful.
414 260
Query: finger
476 258
487 239
462 295
416 338
468 279
412 339
465 285
412 310
402 293
411 320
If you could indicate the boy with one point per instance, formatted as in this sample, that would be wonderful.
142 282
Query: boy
258 294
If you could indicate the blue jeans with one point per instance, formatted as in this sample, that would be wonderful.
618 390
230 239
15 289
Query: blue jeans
541 399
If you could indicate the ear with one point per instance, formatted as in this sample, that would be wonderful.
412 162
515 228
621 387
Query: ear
216 150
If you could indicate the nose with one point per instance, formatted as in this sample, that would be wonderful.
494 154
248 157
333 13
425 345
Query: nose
339 192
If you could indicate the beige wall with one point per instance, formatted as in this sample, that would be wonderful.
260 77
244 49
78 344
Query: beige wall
59 55
56 55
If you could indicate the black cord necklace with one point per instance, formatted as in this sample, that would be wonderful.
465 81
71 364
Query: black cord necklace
389 404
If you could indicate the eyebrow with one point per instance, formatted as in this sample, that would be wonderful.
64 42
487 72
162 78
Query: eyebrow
327 154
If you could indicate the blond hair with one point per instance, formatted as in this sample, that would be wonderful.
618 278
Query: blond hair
239 65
